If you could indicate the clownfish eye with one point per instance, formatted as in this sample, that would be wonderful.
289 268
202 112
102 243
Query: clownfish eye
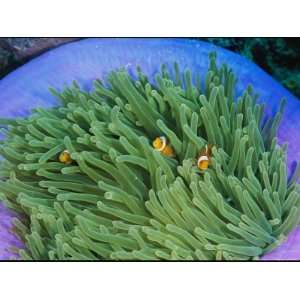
156 143
65 157
160 143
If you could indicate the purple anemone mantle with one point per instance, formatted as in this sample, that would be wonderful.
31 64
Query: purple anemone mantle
9 242
89 59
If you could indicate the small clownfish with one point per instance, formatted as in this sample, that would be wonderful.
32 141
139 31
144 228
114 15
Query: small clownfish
65 157
161 145
204 158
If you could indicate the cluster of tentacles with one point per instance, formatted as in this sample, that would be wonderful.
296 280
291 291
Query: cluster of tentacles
117 198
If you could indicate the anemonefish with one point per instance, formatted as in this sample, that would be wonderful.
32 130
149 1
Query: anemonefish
65 157
204 158
161 144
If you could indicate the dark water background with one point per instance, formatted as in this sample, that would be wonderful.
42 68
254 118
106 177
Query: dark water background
280 57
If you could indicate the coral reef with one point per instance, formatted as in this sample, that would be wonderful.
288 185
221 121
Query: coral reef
280 57
119 198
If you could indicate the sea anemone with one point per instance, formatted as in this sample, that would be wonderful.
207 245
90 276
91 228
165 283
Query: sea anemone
89 183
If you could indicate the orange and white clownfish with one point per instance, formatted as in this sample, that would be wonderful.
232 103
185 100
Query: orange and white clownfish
161 144
204 158
65 157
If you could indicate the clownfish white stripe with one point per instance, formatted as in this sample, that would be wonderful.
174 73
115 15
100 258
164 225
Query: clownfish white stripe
164 143
202 158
